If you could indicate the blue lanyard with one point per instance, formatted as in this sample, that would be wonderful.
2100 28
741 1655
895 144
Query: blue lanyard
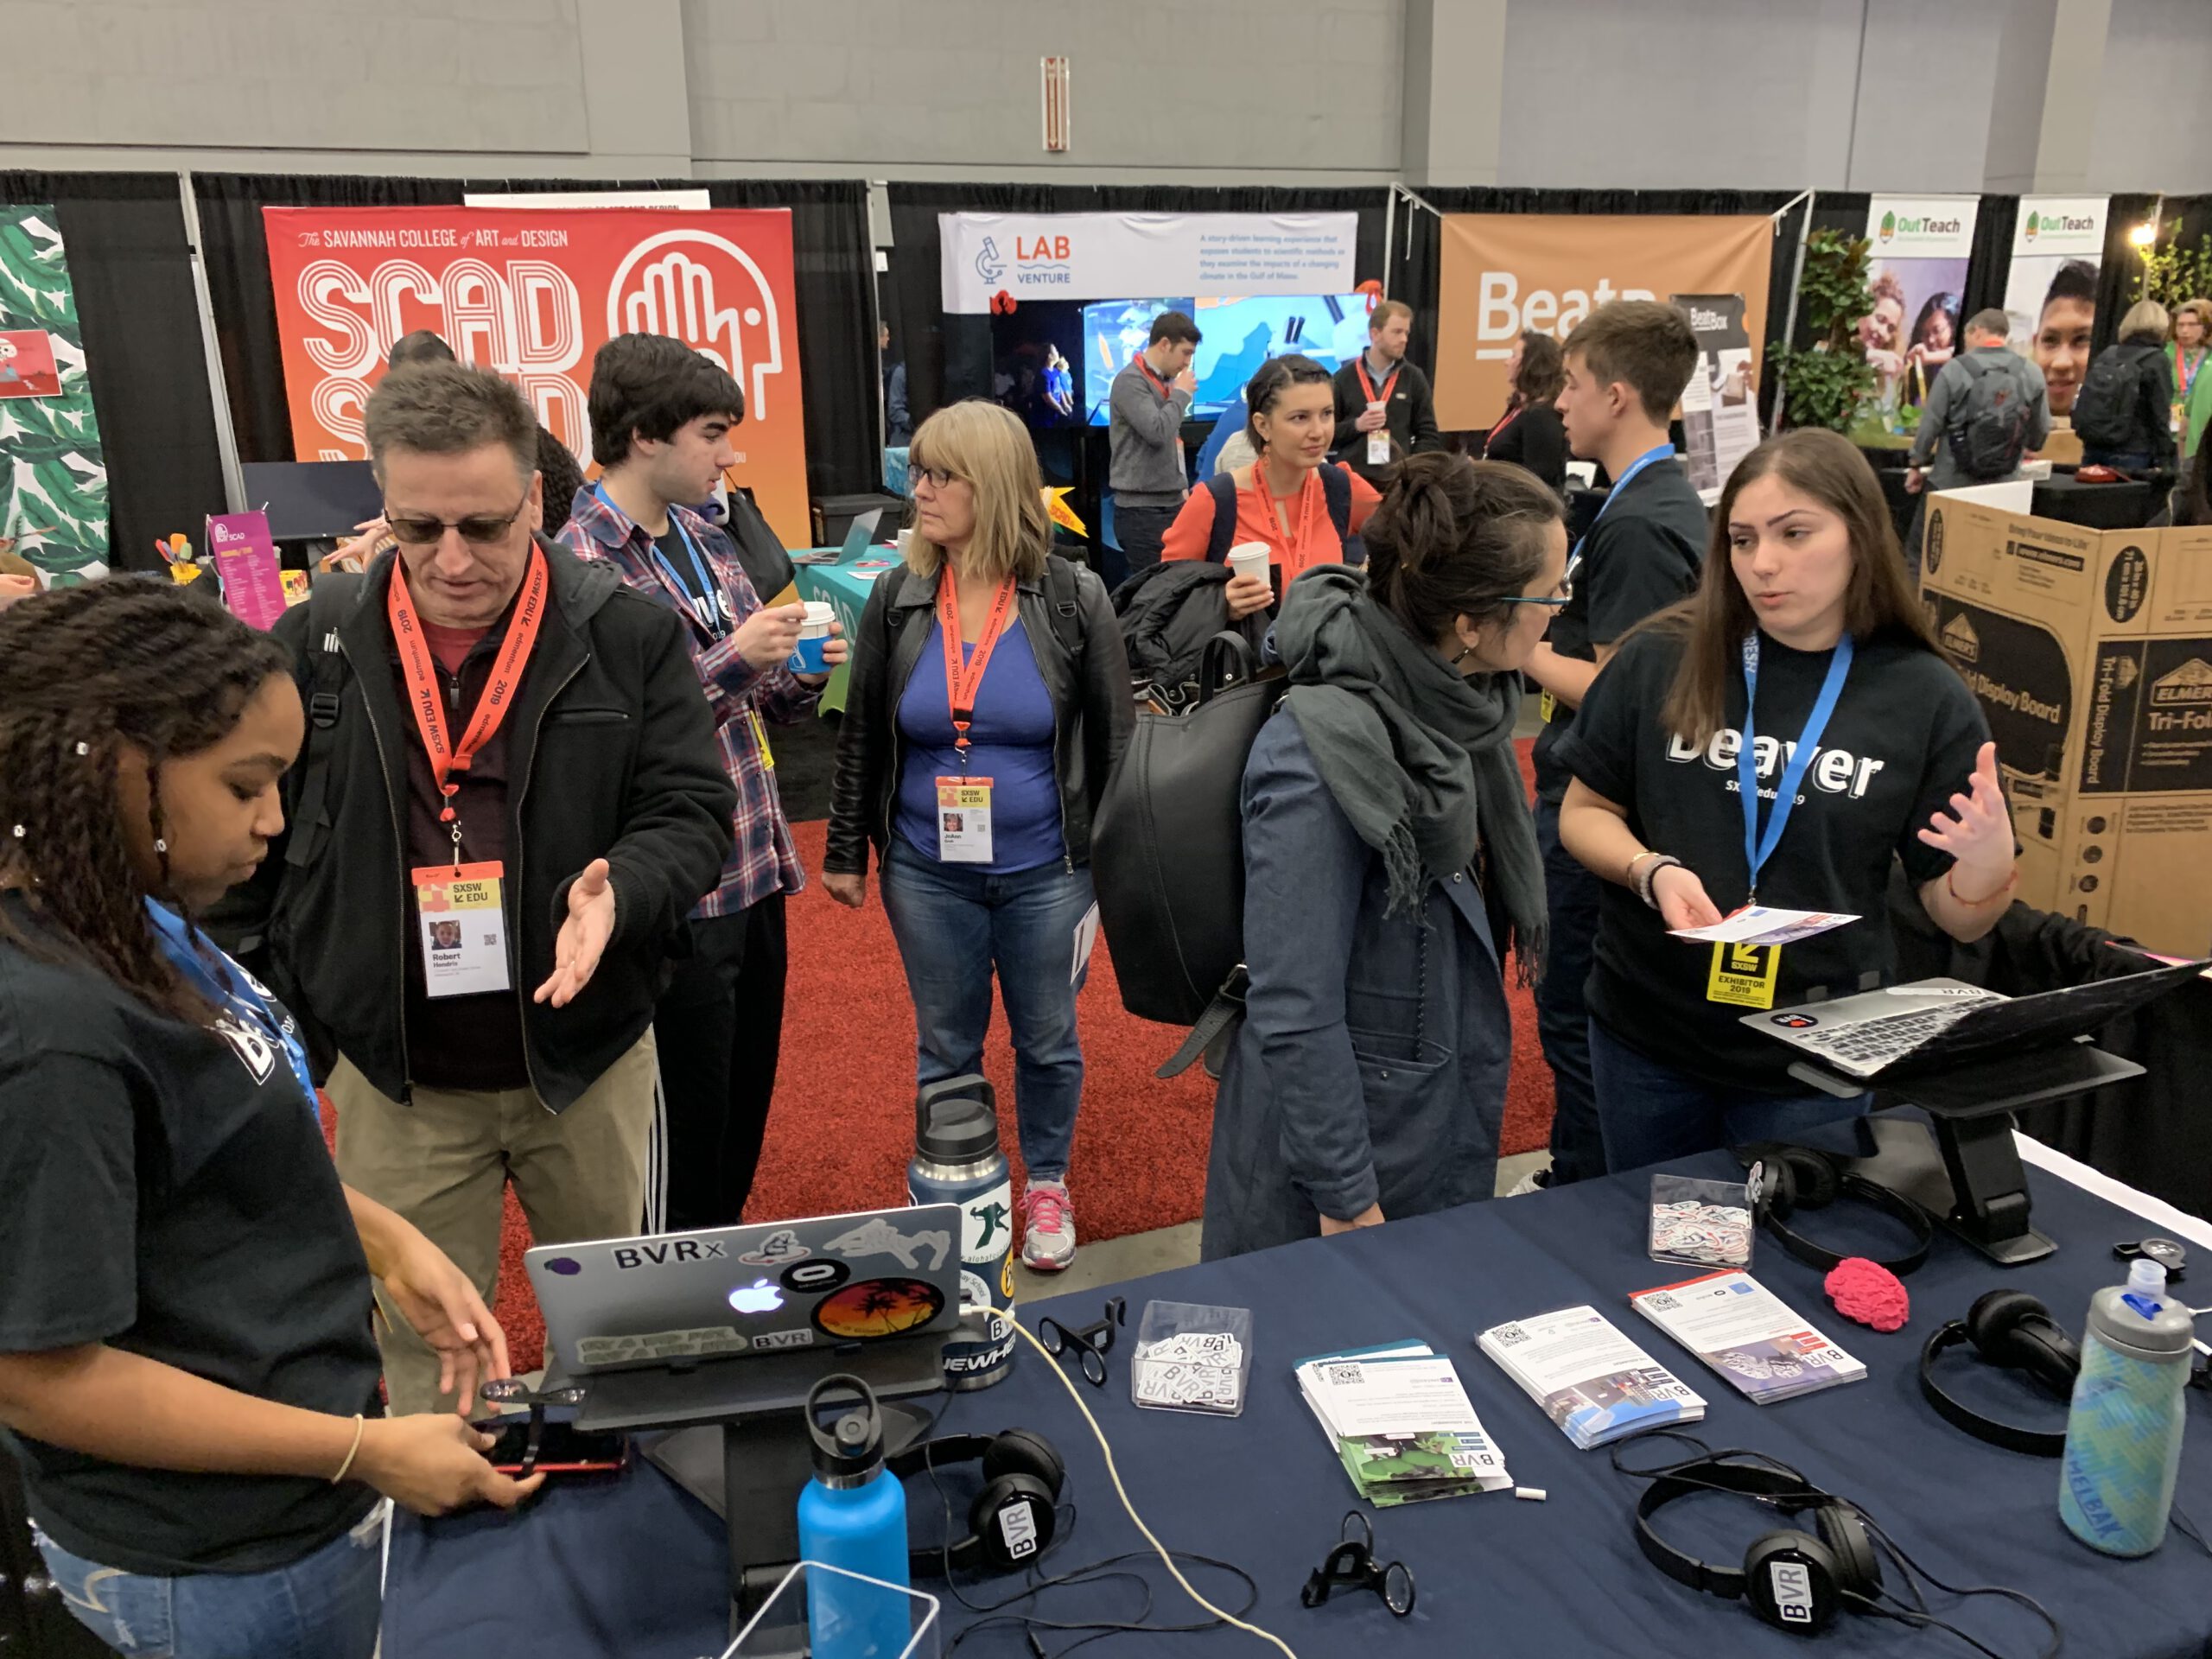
702 605
1661 451
1758 849
234 991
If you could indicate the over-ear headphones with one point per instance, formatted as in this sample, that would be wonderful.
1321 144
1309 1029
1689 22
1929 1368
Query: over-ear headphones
1799 1178
1793 1580
2013 1329
1011 1522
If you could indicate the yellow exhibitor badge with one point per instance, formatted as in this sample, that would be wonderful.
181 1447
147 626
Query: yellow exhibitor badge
1745 974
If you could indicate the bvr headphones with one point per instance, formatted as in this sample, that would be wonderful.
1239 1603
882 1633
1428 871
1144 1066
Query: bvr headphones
2013 1329
1798 1178
1011 1522
1793 1580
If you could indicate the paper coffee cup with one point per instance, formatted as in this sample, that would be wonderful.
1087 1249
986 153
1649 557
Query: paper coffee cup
1250 559
905 541
1375 406
813 639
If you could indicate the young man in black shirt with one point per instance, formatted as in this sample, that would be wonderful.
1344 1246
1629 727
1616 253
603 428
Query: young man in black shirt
1627 363
1369 438
661 415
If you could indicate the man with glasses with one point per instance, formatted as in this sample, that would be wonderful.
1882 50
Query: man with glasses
503 736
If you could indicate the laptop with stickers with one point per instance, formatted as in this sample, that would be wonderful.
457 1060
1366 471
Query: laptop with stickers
621 1304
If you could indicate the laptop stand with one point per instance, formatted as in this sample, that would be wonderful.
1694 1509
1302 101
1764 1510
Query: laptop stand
743 1449
1967 1172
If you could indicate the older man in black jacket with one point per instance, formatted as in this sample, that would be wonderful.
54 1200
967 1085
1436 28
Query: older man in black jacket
509 800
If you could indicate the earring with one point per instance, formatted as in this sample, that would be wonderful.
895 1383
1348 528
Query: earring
84 749
160 846
19 832
1465 651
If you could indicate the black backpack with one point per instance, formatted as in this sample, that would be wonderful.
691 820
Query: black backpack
2105 407
1989 432
1167 853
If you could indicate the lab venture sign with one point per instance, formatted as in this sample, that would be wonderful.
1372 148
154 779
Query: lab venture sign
1507 272
992 260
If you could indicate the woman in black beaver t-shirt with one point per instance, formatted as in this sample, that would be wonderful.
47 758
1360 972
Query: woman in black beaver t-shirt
186 1362
1804 595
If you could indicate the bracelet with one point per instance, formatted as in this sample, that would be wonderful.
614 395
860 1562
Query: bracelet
1951 887
360 1423
1645 882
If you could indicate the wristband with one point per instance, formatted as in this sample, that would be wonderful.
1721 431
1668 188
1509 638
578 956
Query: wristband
360 1424
1643 881
1951 887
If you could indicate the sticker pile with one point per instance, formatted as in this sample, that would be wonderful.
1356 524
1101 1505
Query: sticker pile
1193 1370
1717 1235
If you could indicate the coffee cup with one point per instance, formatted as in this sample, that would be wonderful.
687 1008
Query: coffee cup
813 639
1375 406
905 541
1250 559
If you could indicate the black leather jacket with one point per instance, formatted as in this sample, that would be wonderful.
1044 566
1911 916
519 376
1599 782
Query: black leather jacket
1093 710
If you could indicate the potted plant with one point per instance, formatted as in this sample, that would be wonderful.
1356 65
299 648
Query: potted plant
1824 385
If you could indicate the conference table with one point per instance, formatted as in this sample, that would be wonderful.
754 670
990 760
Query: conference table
635 1567
2124 504
843 582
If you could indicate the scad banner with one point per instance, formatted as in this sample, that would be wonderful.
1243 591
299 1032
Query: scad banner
992 259
533 293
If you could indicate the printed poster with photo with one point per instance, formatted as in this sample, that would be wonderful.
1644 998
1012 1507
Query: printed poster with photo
1916 267
2050 290
1721 405
53 477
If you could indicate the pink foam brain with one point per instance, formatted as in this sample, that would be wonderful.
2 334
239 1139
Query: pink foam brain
1868 1293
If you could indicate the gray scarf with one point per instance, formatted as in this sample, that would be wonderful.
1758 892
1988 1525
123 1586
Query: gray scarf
1418 756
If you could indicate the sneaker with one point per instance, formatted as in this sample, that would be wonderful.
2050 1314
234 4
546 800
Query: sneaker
1535 1181
1047 1226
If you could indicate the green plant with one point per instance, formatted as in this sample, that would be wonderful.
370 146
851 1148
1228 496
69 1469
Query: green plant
2172 273
1822 386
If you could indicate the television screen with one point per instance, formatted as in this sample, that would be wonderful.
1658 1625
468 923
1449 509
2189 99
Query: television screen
1036 362
1237 337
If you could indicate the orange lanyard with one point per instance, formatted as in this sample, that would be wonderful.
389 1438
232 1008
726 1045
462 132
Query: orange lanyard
416 664
1265 497
962 685
2185 373
1159 384
1367 386
1511 415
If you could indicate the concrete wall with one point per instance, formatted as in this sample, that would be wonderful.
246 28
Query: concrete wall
2153 127
952 89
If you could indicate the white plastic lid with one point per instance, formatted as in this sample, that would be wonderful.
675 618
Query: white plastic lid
2147 1278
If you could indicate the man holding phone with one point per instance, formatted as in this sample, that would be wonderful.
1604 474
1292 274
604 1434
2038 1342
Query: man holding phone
1150 401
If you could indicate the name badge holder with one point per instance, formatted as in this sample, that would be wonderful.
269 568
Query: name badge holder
963 800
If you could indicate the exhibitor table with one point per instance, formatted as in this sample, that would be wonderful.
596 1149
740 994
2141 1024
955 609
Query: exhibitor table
636 1568
2124 503
843 584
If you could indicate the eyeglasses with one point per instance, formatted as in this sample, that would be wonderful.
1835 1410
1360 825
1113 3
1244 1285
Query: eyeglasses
1351 1566
1564 593
1093 1342
938 477
479 529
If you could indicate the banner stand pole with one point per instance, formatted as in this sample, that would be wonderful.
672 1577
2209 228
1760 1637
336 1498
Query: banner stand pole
226 437
1389 233
1811 199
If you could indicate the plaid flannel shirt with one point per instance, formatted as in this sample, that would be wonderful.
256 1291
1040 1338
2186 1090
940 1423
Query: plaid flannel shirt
764 860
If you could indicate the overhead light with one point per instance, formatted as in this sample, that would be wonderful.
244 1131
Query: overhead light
2143 235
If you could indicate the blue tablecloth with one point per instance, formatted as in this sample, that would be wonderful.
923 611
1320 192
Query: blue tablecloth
844 585
638 1570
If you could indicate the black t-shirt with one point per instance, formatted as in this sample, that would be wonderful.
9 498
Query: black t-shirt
1535 438
169 1193
705 596
1642 555
1902 741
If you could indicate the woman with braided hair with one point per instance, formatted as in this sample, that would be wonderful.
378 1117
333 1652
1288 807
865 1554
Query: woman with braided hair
186 1360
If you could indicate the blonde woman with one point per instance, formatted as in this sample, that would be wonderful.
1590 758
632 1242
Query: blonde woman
2124 412
974 776
2185 360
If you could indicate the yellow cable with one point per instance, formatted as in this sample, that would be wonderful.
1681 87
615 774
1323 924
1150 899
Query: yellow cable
1121 1492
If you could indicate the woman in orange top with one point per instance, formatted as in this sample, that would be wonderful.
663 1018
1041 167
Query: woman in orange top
1282 497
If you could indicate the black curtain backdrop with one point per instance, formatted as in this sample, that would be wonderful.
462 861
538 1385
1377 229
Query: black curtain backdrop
1990 265
2120 275
131 267
949 358
830 257
1417 267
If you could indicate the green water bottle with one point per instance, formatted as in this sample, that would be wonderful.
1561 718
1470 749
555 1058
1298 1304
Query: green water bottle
2123 1435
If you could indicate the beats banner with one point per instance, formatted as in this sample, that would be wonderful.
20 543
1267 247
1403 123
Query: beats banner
534 293
1507 272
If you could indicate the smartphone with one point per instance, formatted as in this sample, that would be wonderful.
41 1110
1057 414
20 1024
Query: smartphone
563 1448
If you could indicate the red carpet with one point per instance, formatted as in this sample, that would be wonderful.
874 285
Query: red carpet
843 1125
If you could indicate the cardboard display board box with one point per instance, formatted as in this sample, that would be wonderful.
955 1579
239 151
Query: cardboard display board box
2091 652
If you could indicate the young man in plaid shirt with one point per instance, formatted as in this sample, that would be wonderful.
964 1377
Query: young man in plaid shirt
661 415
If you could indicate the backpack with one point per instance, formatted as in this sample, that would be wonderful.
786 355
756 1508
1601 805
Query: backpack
2105 407
1169 612
1989 432
1168 854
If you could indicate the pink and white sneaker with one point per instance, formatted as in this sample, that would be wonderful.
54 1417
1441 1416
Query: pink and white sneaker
1047 1226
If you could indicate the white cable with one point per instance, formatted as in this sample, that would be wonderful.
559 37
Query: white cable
1121 1492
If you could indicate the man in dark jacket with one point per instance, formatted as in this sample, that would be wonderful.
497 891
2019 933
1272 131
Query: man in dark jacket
1385 410
509 800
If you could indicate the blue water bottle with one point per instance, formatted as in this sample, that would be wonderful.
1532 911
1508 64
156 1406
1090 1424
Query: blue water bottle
2123 1435
852 1516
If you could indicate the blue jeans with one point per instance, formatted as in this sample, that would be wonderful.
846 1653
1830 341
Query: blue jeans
2128 461
1652 1114
1562 1017
954 924
326 1606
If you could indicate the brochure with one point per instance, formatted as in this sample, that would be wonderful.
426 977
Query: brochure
1595 1383
1743 1331
1766 925
1401 1423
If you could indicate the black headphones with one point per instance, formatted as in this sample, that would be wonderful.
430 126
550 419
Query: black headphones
1799 1178
1011 1522
2013 1329
1793 1580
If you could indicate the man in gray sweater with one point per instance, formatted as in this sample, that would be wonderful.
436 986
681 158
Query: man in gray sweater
1987 376
1150 400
